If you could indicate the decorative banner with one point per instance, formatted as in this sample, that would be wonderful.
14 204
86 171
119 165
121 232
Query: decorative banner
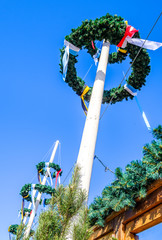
129 32
122 50
70 48
22 209
57 175
130 89
85 109
43 202
133 92
93 45
143 114
10 236
65 61
144 43
32 195
59 179
39 177
19 214
97 55
48 171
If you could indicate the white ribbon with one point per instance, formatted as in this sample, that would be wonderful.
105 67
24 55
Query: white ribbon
59 179
71 46
144 43
65 61
32 195
133 92
19 213
49 173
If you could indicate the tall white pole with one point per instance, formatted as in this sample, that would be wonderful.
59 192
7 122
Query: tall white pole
32 216
88 142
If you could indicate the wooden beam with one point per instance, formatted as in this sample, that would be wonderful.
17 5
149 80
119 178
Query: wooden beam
101 232
151 201
145 221
126 223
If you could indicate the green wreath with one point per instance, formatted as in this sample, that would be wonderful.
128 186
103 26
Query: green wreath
41 188
110 28
40 167
13 229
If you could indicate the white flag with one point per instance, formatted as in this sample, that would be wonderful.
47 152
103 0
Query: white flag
144 43
71 46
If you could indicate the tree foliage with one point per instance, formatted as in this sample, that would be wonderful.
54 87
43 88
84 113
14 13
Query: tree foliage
132 183
66 206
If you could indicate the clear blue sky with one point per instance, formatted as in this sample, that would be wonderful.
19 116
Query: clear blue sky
37 107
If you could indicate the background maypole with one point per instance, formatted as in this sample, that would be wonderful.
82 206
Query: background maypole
88 142
32 216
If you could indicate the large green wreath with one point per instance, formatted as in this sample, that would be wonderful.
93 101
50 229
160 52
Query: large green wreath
110 28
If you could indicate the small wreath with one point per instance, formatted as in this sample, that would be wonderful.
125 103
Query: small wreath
111 28
13 229
41 188
40 167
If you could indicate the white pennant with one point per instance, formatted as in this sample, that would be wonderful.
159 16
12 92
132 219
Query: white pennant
71 46
144 43
65 61
49 173
32 195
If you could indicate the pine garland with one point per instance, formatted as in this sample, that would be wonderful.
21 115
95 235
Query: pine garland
130 184
110 28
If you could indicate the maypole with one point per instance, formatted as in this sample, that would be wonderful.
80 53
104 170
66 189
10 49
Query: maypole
88 142
116 32
32 216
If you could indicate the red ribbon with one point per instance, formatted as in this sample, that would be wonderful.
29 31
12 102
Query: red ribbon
57 175
93 45
130 31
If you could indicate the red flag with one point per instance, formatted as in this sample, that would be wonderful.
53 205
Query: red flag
129 32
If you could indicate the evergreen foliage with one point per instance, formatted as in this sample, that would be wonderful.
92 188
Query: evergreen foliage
18 231
56 223
131 184
82 229
110 28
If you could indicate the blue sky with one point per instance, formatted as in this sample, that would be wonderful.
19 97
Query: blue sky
37 107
